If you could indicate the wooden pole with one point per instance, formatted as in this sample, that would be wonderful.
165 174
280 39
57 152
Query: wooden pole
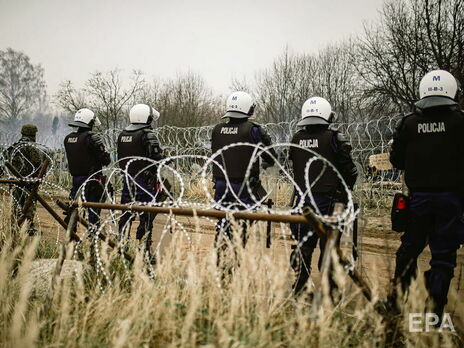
40 199
297 219
353 274
101 235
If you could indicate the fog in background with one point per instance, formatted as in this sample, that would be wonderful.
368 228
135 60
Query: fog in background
365 57
219 40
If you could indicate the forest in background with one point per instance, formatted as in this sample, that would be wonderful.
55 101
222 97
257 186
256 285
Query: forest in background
365 77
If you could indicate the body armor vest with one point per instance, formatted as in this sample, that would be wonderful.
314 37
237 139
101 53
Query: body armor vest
235 160
130 144
81 161
435 150
319 141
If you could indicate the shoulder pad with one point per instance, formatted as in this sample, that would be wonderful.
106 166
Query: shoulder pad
262 130
255 124
151 135
219 125
342 137
96 138
402 119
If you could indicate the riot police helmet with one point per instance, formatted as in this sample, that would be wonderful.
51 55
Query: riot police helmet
316 111
85 118
438 88
239 105
141 116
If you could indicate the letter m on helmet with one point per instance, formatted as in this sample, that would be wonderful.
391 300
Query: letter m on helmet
436 78
234 97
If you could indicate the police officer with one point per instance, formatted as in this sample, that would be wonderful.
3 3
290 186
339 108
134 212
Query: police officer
428 145
140 181
26 159
235 160
326 187
86 156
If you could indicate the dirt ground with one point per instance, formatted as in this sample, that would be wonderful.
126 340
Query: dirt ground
377 245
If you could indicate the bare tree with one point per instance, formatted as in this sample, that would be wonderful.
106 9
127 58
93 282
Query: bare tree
110 98
69 98
335 78
281 89
105 94
293 78
22 87
414 37
186 101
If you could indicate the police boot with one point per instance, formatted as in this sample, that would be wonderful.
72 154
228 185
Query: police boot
406 268
437 282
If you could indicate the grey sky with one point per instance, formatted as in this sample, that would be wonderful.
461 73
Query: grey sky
215 38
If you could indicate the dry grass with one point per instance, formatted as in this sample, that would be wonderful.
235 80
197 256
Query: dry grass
187 304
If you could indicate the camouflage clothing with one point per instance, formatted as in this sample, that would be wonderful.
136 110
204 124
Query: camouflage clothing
20 195
26 158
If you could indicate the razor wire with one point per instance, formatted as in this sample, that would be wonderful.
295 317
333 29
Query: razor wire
374 187
188 166
373 190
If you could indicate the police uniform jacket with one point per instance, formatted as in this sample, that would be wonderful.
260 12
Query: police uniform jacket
428 145
140 142
329 144
236 159
85 152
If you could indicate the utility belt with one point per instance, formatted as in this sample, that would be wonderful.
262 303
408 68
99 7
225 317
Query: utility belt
96 185
150 180
400 212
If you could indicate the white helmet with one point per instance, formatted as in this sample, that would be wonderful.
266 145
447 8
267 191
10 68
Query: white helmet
316 110
85 118
438 83
239 105
143 113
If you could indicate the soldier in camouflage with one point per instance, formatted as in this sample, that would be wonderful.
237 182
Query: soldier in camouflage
26 159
